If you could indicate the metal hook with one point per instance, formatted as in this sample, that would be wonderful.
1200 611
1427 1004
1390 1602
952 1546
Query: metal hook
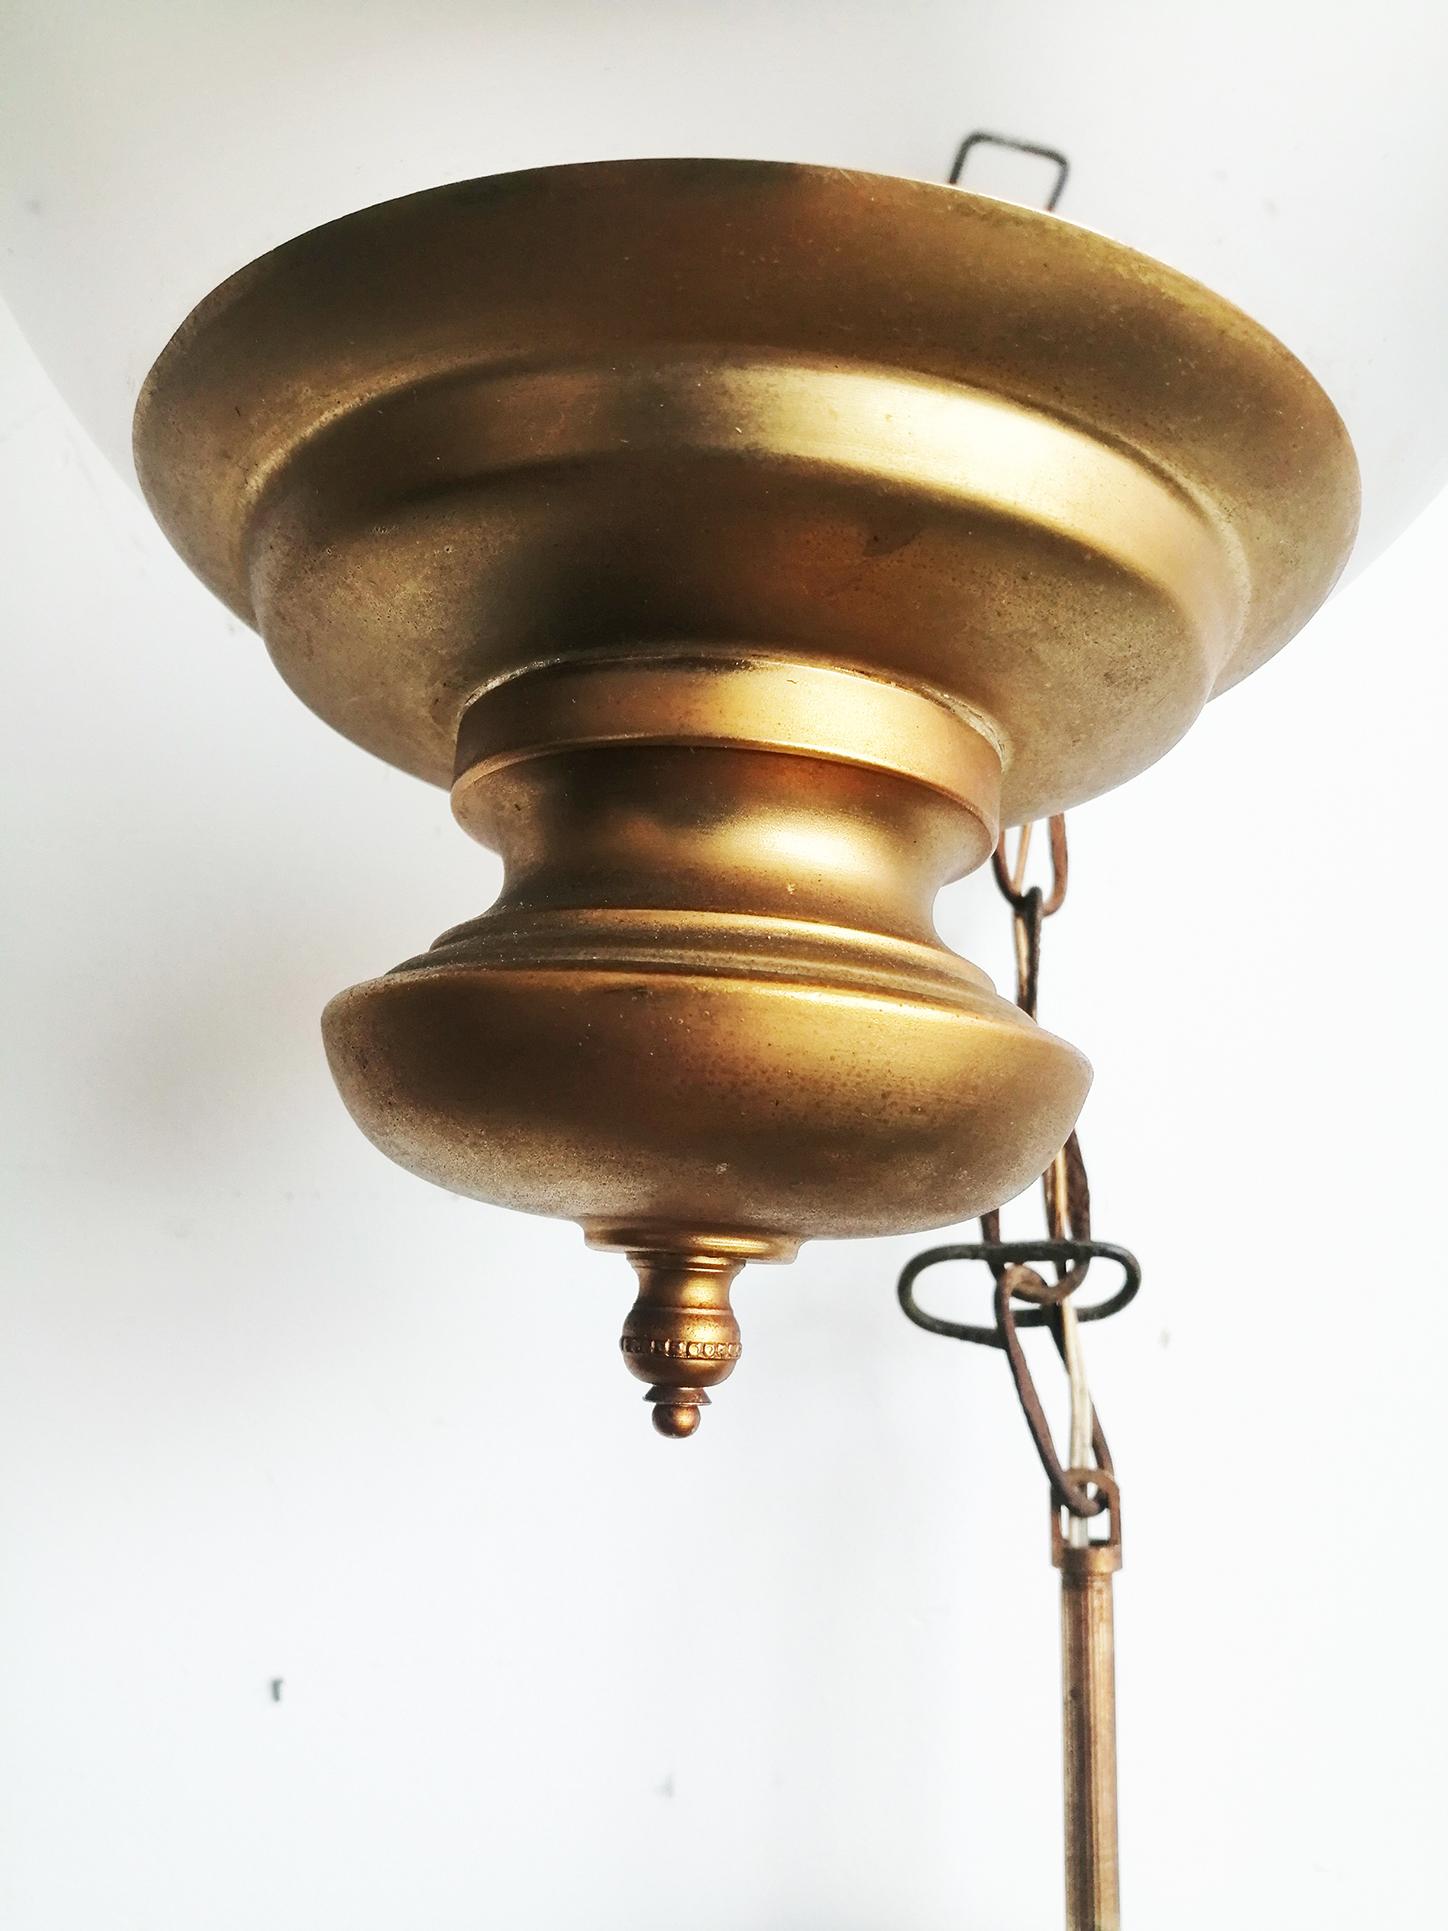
981 139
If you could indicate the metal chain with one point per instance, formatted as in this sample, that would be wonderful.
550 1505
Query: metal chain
1086 1486
1067 1194
1069 1249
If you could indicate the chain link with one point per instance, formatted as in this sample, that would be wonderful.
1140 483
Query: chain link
1069 1249
1085 1486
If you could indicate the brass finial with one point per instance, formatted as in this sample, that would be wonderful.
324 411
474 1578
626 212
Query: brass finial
681 1335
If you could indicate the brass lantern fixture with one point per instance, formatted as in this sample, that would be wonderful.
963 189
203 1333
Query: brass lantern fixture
744 544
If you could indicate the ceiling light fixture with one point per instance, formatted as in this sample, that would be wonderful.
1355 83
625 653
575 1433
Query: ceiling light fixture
744 544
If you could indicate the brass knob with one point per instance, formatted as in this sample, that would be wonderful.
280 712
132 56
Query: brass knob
681 1335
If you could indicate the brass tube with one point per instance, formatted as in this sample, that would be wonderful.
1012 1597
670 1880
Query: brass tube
1088 1708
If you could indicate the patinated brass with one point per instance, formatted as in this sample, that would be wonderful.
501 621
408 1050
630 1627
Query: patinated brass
743 543
1088 1713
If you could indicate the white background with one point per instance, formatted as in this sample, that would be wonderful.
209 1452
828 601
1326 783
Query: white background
540 1669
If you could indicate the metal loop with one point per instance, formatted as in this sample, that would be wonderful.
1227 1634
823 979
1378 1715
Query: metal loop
1028 916
1069 1211
1025 1284
1002 1255
1011 877
981 139
1101 1552
1070 1494
1007 1259
1067 1194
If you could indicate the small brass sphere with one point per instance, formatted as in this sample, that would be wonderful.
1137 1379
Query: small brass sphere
676 1419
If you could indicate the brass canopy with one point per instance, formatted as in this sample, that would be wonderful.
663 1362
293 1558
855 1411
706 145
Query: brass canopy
744 544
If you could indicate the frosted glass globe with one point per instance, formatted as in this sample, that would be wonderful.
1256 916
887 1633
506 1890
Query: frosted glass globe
1294 158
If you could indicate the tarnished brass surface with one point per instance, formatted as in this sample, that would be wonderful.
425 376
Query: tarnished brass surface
742 542
708 1016
681 1334
1088 1714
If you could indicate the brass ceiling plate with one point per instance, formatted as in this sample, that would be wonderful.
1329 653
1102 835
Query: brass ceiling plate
843 418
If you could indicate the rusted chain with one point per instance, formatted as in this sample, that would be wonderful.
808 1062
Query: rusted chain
1068 1217
1066 1193
1069 1494
1016 1279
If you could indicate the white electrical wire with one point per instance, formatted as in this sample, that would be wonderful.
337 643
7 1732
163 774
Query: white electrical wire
1078 1528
